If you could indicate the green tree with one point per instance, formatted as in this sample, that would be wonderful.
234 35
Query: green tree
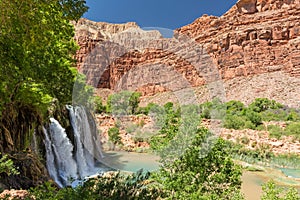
37 49
123 103
201 173
114 135
134 101
263 104
169 121
98 105
234 107
36 61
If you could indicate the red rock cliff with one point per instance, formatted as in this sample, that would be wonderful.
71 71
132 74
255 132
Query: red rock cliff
251 51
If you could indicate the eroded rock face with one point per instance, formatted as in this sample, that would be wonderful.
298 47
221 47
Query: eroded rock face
247 6
244 44
32 172
253 39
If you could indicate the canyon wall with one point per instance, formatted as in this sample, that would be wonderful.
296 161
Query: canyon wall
251 51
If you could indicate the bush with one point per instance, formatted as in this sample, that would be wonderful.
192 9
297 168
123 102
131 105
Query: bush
131 127
115 186
263 104
245 140
293 129
272 192
7 166
234 122
235 107
123 103
293 116
98 105
250 125
275 131
205 109
114 135
142 136
254 117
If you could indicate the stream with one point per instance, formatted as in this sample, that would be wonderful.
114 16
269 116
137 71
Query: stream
130 161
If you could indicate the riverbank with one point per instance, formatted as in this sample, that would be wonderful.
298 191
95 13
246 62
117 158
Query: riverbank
252 179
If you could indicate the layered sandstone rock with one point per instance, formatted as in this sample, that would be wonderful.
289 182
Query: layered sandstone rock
251 51
253 37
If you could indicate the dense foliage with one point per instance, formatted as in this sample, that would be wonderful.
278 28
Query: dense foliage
123 103
201 173
36 53
114 135
109 187
7 166
273 192
238 116
36 63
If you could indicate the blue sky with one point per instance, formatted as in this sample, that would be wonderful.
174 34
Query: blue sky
170 14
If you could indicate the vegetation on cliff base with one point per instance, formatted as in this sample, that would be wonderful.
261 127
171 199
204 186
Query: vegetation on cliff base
7 166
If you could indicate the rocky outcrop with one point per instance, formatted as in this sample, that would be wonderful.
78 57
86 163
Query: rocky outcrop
14 194
253 37
256 40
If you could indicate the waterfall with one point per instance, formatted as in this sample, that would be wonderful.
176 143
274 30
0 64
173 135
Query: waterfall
67 162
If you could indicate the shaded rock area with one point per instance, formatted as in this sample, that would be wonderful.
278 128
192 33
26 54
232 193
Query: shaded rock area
32 172
22 140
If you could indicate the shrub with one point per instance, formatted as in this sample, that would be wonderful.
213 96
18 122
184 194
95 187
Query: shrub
275 131
293 129
142 136
249 125
272 192
112 187
235 107
245 140
205 110
7 166
293 116
131 127
98 105
263 104
234 122
114 135
254 117
123 103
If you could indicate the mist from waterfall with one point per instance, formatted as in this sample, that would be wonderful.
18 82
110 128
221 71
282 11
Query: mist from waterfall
69 162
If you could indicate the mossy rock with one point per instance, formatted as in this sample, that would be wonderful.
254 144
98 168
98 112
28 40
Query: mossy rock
32 172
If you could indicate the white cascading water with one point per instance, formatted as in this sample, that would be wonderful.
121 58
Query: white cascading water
67 162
